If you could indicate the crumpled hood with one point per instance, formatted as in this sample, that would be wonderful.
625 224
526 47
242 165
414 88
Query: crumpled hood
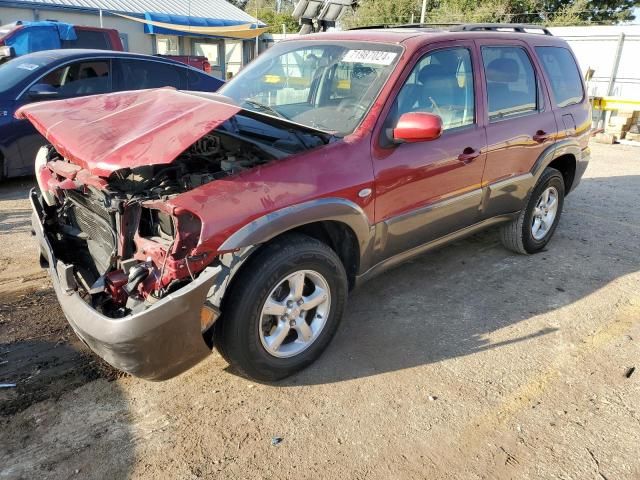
104 133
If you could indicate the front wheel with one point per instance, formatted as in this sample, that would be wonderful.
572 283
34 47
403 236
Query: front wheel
283 308
534 227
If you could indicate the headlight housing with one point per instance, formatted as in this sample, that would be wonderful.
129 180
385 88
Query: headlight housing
41 162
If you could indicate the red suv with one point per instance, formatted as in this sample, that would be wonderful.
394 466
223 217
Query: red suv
172 222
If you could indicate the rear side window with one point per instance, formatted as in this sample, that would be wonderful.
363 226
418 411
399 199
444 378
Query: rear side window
563 74
140 74
511 82
88 39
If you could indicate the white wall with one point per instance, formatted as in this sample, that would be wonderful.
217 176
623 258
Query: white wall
595 47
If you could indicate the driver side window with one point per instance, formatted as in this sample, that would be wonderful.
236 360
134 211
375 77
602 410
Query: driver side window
441 83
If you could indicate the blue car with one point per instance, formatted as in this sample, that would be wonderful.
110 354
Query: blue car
58 74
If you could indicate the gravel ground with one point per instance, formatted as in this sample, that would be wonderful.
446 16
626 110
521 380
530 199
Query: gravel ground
468 362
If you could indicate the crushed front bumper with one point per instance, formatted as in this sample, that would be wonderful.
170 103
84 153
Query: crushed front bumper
159 343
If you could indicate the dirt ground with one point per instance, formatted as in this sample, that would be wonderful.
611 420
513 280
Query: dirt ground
466 363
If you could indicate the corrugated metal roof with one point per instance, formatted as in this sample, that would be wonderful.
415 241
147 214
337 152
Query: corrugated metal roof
194 8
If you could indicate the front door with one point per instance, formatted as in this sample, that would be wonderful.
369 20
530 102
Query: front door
430 189
87 77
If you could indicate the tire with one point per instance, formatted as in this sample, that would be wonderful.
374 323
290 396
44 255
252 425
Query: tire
243 333
518 235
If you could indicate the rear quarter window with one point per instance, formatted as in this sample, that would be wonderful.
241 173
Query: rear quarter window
88 39
563 74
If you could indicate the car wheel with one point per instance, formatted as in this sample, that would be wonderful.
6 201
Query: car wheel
534 227
283 308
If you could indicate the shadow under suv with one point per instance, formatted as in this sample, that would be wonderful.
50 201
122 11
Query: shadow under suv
174 222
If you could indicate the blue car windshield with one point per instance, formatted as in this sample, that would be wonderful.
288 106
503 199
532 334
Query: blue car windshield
16 70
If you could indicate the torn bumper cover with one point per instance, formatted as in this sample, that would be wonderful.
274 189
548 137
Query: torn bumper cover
156 344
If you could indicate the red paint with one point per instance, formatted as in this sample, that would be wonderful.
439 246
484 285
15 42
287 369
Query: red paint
109 132
104 133
417 127
198 61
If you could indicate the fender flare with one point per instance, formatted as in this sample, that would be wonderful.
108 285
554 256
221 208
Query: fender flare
280 221
558 149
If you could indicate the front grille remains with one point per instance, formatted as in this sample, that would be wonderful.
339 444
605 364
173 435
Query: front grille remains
92 219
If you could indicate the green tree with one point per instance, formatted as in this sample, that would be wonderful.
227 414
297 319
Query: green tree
275 20
274 13
555 12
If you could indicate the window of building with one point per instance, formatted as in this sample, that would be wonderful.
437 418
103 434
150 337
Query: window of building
561 68
511 82
211 50
167 45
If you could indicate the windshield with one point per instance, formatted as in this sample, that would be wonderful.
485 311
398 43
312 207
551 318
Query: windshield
16 70
328 86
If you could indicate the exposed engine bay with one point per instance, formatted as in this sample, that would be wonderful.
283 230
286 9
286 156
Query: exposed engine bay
127 248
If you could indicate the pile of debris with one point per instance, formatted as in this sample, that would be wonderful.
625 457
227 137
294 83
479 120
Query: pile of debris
622 125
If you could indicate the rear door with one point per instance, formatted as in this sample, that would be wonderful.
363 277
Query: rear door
520 122
430 189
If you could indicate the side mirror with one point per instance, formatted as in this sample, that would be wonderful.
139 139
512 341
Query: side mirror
42 91
7 52
415 127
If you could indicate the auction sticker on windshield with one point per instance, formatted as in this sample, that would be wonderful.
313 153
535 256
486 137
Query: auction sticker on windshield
375 57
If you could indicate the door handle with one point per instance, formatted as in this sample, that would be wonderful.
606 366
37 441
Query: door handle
468 155
541 136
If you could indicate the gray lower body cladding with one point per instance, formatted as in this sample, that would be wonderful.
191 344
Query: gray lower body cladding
158 343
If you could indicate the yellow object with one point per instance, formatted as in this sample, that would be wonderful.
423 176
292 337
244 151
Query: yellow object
615 103
208 316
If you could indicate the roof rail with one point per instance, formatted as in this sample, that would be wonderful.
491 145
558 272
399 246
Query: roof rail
466 27
405 25
497 27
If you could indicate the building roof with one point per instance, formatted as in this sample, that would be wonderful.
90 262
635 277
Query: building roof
193 8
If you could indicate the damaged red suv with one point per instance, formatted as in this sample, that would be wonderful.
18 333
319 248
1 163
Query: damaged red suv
174 222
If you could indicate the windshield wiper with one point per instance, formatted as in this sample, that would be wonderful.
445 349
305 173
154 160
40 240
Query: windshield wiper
265 108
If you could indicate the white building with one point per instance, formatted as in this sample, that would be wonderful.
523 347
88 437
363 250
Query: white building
213 28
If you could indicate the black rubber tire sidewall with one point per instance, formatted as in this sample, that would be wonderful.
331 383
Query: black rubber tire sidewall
550 177
236 334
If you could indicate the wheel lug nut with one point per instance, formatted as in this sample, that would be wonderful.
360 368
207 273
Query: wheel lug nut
289 303
300 302
292 323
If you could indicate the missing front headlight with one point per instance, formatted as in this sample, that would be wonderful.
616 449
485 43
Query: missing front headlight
155 223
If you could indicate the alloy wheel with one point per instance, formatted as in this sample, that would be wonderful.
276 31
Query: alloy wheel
544 213
294 313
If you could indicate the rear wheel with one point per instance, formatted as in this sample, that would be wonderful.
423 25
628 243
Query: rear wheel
283 309
534 227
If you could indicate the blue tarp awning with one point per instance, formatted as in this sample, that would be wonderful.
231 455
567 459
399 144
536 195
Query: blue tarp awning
185 23
38 36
